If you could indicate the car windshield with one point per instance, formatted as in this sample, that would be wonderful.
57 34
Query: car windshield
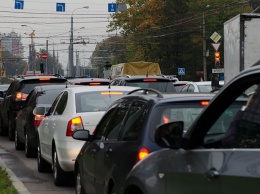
160 86
96 101
177 111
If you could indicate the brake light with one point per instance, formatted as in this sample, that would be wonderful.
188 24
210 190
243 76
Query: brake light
204 103
166 119
43 79
94 83
111 93
38 119
19 96
143 152
149 80
73 125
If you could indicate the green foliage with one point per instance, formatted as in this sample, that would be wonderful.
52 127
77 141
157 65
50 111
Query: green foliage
170 32
5 183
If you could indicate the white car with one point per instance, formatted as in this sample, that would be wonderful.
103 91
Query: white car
75 108
204 86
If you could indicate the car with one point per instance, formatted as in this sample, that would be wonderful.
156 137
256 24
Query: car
3 88
75 108
27 123
89 81
16 95
178 85
159 83
124 136
203 86
219 153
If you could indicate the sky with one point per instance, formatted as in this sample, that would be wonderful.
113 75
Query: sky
41 15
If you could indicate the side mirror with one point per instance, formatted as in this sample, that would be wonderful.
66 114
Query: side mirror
82 135
39 110
169 135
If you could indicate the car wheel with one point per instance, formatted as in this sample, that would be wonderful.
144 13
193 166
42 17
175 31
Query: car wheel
2 129
78 187
29 151
43 166
18 144
11 130
60 177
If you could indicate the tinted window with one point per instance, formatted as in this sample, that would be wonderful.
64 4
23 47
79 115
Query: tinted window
54 104
48 96
61 104
204 88
95 101
160 86
27 87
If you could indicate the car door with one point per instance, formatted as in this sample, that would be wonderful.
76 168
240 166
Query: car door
121 144
88 156
45 131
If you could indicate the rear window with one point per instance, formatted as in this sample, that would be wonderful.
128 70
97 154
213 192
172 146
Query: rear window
184 111
204 88
163 87
178 87
27 86
48 96
96 101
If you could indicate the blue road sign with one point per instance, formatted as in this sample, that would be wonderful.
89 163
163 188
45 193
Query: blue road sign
112 7
18 4
60 7
181 71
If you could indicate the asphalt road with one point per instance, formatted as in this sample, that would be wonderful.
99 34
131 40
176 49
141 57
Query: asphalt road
26 170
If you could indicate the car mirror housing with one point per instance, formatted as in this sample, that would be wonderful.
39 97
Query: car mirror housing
169 135
82 135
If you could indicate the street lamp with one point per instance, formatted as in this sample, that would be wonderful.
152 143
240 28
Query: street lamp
204 44
71 60
32 49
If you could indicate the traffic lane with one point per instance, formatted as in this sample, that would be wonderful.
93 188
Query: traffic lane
26 170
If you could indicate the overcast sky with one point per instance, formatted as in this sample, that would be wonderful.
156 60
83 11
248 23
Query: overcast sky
41 16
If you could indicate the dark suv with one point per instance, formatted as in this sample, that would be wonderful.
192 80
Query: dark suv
125 135
159 83
16 95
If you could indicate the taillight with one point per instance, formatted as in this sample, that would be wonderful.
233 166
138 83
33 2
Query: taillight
38 119
204 103
166 119
73 125
143 152
19 96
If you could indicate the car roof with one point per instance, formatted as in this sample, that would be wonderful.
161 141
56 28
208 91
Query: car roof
180 82
133 77
205 83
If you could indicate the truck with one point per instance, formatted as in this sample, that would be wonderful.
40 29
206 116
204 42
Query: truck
241 43
135 68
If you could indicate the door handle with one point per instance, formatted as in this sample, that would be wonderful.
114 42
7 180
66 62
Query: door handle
211 174
109 151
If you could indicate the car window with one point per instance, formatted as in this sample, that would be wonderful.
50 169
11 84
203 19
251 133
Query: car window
134 121
185 88
51 110
204 88
48 96
160 86
191 88
61 104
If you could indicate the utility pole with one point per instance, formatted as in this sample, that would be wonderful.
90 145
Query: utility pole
46 61
204 45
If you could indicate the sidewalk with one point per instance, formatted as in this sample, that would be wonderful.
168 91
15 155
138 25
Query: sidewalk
16 182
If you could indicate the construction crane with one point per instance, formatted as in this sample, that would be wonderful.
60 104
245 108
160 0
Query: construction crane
2 71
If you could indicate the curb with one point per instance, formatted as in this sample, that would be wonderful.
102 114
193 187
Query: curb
19 186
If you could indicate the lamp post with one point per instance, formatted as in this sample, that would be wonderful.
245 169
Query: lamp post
71 60
32 49
204 44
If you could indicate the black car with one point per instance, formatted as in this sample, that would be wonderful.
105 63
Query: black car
218 154
160 83
27 123
125 135
16 95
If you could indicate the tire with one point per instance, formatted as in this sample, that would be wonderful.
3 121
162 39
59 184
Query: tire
43 166
60 177
11 130
78 182
3 131
18 144
29 151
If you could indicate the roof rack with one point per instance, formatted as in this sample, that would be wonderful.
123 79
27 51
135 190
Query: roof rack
146 90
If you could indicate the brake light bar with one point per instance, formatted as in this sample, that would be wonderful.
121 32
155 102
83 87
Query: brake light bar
204 103
94 83
44 79
73 125
19 96
150 80
111 93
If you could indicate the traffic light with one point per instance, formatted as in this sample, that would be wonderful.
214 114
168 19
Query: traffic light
41 67
217 59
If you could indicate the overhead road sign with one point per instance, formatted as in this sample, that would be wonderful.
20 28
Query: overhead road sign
112 7
215 37
181 71
18 4
60 7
